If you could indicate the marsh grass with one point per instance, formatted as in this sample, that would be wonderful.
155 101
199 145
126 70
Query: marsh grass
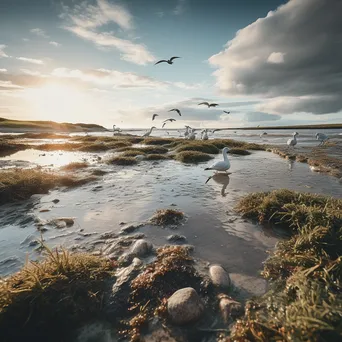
75 166
156 157
199 146
20 184
45 300
132 153
239 151
8 148
304 302
192 157
121 160
165 217
157 141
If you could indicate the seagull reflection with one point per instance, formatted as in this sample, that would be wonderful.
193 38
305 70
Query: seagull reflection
220 178
290 164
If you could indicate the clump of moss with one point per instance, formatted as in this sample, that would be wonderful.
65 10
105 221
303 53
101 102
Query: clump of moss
156 157
192 157
239 151
20 184
119 160
304 302
63 290
199 146
75 166
165 217
58 147
157 141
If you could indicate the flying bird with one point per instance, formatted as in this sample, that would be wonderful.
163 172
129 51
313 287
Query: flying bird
164 124
176 110
154 116
169 120
226 112
208 104
168 61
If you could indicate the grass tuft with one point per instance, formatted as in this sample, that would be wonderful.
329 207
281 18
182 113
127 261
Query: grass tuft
156 157
165 217
20 184
304 301
239 151
192 157
75 166
157 141
199 146
64 290
119 160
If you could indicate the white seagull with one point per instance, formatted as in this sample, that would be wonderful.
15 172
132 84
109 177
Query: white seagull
293 141
322 138
192 135
116 129
222 165
205 134
147 134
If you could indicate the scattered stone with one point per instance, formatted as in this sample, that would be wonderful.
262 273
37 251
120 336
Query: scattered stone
122 223
125 259
97 188
141 248
185 306
44 210
108 235
62 222
42 229
229 308
55 201
219 276
33 243
176 238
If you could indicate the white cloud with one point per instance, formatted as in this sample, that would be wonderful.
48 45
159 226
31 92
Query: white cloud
292 57
30 60
31 72
39 32
180 7
6 85
91 16
131 52
2 52
259 116
112 78
276 58
85 19
3 71
183 85
55 44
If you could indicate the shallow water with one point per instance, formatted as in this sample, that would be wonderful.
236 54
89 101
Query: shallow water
133 194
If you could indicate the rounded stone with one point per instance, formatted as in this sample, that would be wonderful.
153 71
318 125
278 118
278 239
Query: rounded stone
219 276
141 248
185 306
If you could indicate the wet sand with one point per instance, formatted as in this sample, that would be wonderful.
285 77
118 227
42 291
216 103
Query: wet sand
132 194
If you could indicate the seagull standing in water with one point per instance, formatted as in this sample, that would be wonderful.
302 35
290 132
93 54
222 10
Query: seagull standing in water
322 138
222 165
192 135
293 141
147 134
262 134
168 61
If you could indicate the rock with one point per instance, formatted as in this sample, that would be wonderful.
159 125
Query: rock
176 238
219 276
141 248
229 308
97 188
185 306
44 210
55 201
62 222
125 259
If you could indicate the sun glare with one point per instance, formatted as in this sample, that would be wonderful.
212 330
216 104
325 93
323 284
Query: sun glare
57 102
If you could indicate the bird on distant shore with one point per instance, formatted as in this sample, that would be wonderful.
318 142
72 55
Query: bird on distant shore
222 165
205 134
262 134
293 141
322 138
154 116
116 129
226 112
187 132
215 130
168 61
208 104
176 110
147 134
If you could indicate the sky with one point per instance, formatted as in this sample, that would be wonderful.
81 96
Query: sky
267 62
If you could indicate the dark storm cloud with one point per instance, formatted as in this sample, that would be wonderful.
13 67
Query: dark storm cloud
292 56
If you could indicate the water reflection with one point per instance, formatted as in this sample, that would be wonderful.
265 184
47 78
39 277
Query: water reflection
221 178
290 164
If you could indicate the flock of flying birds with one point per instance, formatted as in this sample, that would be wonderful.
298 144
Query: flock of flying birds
189 132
